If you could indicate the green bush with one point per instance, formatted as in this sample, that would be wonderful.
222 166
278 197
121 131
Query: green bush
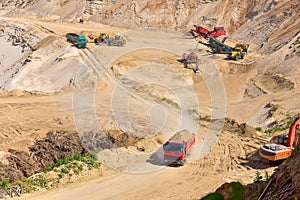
70 165
76 171
70 161
27 185
41 181
282 128
80 168
258 177
65 170
213 196
258 129
238 191
4 184
77 156
274 108
267 177
59 163
97 165
171 102
61 175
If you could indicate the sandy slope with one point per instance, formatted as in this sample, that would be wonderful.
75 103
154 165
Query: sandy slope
39 67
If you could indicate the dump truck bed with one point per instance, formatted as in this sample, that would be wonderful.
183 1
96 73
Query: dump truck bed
182 136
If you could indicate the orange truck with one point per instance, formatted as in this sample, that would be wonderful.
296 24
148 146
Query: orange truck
178 147
283 144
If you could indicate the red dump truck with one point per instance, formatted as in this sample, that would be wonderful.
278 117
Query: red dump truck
178 147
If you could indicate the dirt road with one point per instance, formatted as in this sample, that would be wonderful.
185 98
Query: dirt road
226 162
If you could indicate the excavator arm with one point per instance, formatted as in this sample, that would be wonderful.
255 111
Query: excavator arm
294 133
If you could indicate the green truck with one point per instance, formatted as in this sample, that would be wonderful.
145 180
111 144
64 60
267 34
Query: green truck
78 41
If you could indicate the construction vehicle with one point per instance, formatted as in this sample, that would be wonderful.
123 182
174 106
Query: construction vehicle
117 40
99 38
78 41
205 33
190 58
104 38
217 47
178 147
282 145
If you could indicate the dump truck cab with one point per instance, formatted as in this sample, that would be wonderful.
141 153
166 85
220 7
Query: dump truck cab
82 41
175 152
178 147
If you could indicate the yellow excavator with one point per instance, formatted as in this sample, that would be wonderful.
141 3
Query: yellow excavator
104 38
99 38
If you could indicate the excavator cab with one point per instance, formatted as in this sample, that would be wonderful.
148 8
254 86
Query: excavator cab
280 139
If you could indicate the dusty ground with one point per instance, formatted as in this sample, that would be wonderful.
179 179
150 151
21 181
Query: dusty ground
28 116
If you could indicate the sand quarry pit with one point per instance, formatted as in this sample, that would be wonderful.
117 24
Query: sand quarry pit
134 95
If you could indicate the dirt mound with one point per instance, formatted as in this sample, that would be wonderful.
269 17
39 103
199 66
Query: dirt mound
45 152
97 141
286 180
233 126
252 90
276 83
150 144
